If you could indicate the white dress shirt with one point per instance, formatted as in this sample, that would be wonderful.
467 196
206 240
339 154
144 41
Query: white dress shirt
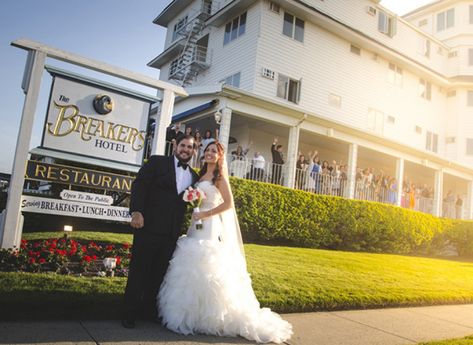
183 177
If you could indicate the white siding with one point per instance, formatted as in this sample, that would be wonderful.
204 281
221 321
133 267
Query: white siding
324 64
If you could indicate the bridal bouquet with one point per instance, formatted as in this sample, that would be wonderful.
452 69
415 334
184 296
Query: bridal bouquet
194 196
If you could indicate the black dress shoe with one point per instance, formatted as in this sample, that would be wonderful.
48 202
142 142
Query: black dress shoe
128 323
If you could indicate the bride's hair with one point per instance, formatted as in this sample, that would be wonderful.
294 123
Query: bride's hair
217 174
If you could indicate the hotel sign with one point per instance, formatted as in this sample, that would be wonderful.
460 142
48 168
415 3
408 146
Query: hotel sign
73 209
95 121
73 195
78 176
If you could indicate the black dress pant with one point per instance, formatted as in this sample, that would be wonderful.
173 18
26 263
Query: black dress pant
148 265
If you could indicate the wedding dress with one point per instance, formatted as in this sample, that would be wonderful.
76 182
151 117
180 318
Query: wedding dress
207 288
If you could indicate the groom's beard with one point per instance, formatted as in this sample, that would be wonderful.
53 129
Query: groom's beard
183 159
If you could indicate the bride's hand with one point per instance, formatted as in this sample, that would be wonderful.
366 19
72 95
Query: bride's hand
199 215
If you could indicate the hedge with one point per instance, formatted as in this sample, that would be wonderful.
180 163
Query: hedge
271 214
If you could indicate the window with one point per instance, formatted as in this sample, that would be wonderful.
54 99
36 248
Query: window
431 143
293 27
470 57
450 140
335 100
175 65
452 93
233 80
424 46
355 49
375 120
235 28
386 24
423 22
178 26
274 7
425 89
469 146
452 54
469 101
418 129
445 19
471 14
288 88
395 74
391 119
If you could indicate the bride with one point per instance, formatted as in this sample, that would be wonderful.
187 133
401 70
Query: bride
207 288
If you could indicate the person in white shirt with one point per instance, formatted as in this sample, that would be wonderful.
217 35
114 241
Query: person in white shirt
257 171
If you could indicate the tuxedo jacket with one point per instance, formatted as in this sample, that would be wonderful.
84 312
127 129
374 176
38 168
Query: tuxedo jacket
154 194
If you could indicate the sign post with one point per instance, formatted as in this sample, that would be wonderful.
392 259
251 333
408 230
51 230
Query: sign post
10 233
10 224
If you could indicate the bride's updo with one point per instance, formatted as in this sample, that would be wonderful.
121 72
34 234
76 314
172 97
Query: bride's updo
217 174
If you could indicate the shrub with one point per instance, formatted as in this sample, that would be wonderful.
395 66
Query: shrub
279 215
460 234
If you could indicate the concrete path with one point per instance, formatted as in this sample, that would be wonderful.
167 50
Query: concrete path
359 327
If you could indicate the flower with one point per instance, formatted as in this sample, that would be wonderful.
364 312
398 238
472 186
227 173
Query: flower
194 196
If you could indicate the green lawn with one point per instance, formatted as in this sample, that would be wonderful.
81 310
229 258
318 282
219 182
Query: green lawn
285 279
462 341
105 237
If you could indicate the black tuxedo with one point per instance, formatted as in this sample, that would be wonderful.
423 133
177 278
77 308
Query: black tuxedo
154 194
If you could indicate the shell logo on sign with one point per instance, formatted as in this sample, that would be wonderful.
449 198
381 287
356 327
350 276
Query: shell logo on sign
96 121
103 104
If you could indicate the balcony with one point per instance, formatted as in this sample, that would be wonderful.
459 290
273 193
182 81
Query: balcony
169 54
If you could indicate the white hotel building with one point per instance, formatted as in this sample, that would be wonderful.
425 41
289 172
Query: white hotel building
347 78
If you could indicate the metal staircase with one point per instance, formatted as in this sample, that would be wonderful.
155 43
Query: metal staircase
193 57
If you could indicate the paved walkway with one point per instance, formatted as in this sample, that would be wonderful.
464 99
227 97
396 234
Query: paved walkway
359 327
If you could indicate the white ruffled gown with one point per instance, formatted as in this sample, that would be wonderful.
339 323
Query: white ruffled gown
207 288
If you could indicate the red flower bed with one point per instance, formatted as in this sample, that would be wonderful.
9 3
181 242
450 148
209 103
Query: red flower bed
65 256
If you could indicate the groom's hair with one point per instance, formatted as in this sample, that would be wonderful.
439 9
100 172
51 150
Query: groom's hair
184 136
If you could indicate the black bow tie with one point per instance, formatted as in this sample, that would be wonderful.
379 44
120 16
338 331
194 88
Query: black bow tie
182 165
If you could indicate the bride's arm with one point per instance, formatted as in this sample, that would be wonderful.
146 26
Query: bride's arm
223 185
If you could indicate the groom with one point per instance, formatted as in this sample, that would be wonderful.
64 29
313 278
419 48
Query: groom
157 212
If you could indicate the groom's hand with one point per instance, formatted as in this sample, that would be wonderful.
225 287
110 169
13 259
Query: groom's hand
137 220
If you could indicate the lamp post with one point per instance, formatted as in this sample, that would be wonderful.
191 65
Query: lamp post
110 264
67 229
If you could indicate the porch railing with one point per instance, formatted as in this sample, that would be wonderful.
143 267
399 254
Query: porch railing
333 184
321 183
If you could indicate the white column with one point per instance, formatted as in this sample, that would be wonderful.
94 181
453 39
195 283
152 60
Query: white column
291 159
438 193
225 124
399 179
10 233
469 201
162 122
351 170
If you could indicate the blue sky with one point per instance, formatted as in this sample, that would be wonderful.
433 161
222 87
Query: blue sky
118 32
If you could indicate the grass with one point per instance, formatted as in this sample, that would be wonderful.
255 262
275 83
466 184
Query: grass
103 237
461 341
296 280
284 279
